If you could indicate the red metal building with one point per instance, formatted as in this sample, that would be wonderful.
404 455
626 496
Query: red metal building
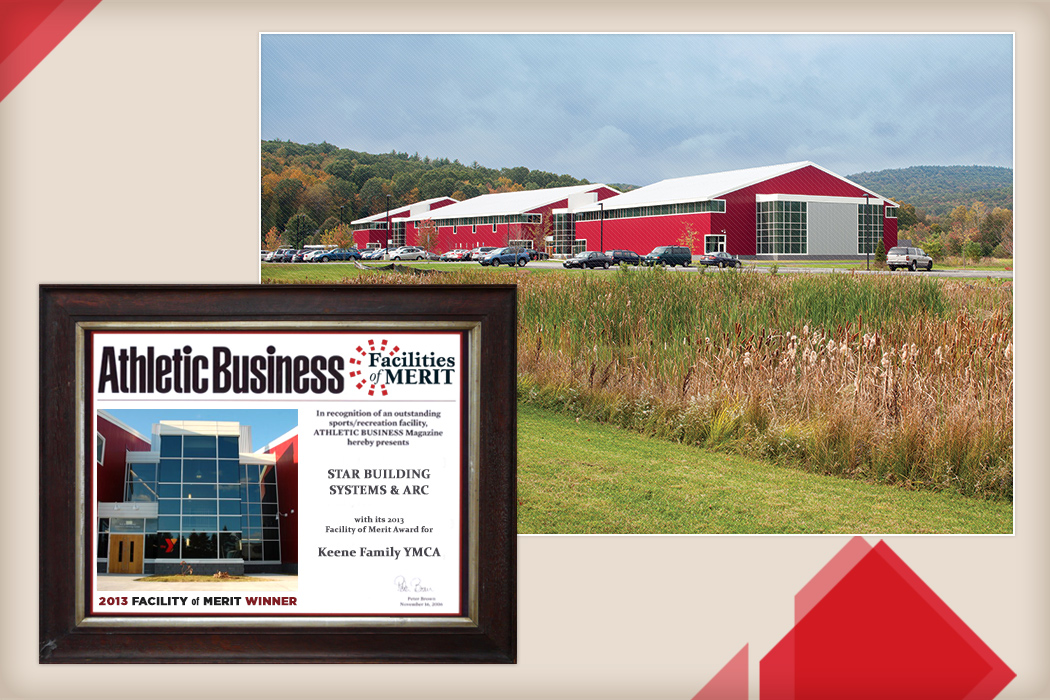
796 210
508 218
372 232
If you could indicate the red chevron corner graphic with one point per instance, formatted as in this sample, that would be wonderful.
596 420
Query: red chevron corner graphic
730 683
29 31
868 628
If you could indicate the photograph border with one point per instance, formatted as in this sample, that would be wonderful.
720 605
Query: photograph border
484 633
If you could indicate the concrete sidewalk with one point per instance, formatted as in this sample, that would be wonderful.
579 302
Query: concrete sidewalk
265 582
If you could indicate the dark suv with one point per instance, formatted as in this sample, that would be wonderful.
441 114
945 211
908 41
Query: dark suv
669 255
625 257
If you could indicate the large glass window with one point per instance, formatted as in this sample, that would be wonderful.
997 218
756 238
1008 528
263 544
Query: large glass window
168 544
198 446
203 497
564 233
141 485
869 227
781 228
229 447
171 446
209 505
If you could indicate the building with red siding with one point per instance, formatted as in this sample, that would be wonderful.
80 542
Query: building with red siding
522 218
372 231
194 494
286 451
795 210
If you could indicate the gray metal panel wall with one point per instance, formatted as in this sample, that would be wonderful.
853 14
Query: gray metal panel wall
832 228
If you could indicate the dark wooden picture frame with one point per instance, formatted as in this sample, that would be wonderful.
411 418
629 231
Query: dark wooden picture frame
485 633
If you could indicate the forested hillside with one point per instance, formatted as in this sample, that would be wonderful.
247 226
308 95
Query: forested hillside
315 187
959 210
310 192
937 190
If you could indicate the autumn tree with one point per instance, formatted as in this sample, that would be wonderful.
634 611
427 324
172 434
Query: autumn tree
539 234
272 240
339 236
504 184
688 237
427 234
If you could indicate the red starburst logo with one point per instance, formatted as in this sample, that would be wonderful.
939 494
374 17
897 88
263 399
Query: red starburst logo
363 381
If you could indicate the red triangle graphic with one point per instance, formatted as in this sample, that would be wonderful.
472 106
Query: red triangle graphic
30 30
730 683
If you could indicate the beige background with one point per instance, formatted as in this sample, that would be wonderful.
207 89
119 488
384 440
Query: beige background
146 101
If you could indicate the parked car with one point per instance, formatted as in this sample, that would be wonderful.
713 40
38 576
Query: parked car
287 255
373 254
719 259
408 252
427 255
276 255
668 255
624 257
454 255
911 258
537 254
589 258
338 254
264 254
478 252
300 255
505 256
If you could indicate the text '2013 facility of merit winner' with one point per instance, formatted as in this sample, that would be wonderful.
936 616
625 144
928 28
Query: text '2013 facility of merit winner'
195 493
800 210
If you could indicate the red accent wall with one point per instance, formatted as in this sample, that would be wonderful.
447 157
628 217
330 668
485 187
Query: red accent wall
287 454
889 230
110 473
644 234
370 235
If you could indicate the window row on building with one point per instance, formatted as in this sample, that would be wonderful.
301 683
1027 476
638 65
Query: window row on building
716 206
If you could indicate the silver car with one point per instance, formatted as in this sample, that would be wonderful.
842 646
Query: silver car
408 252
911 258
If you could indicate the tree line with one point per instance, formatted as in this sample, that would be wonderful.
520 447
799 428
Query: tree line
313 191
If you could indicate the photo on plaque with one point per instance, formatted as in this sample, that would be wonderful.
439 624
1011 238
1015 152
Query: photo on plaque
323 475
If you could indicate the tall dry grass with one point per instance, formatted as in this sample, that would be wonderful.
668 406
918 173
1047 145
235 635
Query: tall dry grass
896 379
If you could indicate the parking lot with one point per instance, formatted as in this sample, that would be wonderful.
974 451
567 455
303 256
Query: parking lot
761 267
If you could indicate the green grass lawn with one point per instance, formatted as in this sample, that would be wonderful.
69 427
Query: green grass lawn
582 477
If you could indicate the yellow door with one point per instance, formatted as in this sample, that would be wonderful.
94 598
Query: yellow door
125 554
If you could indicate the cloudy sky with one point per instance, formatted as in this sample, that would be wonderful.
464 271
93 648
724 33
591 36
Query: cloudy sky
636 109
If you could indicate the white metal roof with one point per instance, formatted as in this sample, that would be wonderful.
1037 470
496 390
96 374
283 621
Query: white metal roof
506 202
122 425
702 187
381 216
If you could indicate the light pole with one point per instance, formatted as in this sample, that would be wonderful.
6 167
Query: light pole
601 226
